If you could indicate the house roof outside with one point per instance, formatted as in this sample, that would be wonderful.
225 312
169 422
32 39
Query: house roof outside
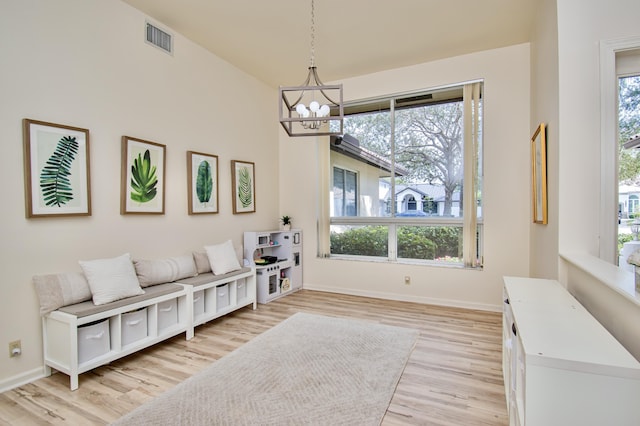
633 142
628 189
350 146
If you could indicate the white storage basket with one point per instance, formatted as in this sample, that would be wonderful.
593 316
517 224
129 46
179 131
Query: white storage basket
167 314
241 289
198 303
93 340
222 297
134 326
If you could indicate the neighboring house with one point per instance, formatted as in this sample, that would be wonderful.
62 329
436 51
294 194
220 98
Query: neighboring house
361 185
357 176
628 201
425 197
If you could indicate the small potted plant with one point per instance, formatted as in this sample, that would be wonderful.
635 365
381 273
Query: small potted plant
286 222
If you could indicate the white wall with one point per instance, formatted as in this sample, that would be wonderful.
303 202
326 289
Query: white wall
582 26
544 109
84 63
506 205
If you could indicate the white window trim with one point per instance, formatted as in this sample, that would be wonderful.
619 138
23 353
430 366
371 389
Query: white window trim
608 245
472 259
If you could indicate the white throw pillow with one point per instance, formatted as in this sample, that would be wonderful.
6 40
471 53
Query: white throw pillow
222 258
111 279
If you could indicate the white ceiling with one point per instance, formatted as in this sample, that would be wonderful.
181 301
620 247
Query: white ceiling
271 40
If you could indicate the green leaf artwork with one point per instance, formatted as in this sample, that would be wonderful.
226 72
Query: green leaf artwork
143 179
244 187
54 178
204 182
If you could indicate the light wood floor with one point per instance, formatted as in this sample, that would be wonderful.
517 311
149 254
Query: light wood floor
453 377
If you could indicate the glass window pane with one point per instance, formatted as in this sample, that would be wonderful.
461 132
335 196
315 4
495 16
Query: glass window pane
360 240
338 192
351 194
409 165
439 243
364 152
429 146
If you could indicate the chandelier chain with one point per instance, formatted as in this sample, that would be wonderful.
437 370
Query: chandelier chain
313 34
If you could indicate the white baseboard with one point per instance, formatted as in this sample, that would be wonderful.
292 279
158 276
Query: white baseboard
22 379
407 298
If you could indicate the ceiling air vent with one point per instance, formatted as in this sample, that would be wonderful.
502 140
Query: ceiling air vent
159 38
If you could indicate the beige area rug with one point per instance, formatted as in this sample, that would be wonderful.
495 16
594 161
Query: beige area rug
307 370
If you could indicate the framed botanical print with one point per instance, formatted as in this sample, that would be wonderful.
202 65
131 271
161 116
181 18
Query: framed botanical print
142 177
243 186
56 168
202 182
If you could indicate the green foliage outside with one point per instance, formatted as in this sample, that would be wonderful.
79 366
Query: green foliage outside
362 241
414 242
623 238
629 122
445 240
414 245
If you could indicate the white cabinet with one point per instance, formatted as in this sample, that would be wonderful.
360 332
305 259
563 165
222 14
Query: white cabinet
213 296
76 342
281 254
83 336
560 365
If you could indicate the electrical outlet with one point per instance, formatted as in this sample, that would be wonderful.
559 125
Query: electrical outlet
15 348
407 279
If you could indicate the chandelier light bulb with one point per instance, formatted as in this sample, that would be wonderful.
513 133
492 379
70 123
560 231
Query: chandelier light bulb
300 109
314 106
324 110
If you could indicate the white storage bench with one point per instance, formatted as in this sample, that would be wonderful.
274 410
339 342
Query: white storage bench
83 336
118 306
213 296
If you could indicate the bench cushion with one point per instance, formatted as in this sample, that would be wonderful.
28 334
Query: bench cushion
89 308
209 277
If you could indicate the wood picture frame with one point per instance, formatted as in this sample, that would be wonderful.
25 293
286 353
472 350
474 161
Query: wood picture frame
202 182
142 177
243 188
56 170
539 174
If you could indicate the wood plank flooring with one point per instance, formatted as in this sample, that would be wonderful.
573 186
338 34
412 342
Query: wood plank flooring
453 377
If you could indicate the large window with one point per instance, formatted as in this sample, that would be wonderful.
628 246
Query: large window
418 194
628 73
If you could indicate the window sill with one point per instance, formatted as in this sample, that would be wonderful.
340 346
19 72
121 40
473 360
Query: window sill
402 261
619 280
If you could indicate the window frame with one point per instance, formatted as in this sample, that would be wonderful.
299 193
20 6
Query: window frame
392 222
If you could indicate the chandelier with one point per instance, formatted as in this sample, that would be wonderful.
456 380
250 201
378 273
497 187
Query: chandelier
312 109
